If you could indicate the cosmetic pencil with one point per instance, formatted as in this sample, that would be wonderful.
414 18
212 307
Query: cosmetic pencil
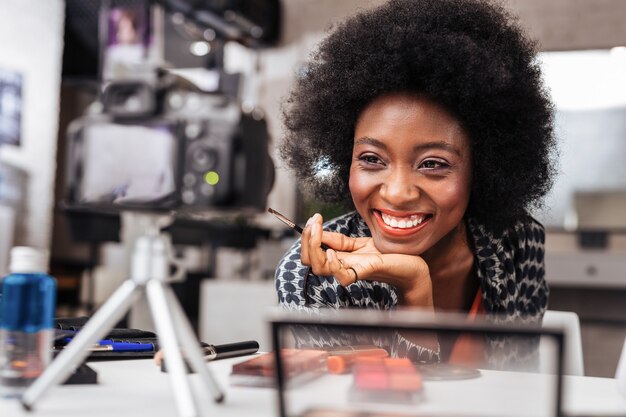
228 350
292 224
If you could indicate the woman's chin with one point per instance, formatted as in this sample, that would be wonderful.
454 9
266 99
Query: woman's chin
402 248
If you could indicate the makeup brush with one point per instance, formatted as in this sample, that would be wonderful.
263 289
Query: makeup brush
291 224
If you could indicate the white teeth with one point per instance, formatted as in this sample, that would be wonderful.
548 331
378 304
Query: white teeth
402 222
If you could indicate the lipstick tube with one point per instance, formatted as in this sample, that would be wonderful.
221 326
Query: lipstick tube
341 361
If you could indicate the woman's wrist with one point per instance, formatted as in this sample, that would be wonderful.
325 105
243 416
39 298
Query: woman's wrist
418 297
411 277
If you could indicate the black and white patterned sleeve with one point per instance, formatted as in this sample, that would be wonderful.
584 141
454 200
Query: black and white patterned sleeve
529 263
402 347
289 278
299 289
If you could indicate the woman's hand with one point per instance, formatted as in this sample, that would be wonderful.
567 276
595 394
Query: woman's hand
351 258
158 357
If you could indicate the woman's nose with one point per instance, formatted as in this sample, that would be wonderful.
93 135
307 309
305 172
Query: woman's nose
400 187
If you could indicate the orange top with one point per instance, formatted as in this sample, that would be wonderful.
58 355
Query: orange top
469 350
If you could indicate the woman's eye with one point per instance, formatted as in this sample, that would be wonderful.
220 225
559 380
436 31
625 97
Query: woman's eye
370 159
433 164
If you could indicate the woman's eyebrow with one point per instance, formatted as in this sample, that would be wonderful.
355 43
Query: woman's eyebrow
446 146
366 140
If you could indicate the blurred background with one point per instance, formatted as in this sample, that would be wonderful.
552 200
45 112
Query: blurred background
241 57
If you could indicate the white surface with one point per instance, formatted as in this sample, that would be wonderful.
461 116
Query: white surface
620 373
570 324
493 394
137 387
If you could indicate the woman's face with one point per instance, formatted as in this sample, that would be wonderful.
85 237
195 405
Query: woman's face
410 173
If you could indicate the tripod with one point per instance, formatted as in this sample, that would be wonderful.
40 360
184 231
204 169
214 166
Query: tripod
150 277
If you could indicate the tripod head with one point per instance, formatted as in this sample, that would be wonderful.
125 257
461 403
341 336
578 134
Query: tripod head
152 250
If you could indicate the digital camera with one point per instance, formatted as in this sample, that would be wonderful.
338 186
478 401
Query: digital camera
165 145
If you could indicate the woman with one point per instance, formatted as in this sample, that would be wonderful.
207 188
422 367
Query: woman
432 120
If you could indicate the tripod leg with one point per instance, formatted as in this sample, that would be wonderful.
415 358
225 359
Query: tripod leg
191 345
166 330
77 350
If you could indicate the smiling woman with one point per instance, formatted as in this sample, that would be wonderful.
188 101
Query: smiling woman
410 174
434 120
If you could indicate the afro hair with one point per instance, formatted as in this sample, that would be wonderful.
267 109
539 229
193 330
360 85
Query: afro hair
469 56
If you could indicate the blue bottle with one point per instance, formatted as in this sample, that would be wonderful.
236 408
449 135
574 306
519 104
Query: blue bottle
27 307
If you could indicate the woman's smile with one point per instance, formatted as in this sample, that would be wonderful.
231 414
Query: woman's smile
410 174
401 225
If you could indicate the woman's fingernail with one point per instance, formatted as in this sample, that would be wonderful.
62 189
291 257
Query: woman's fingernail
308 222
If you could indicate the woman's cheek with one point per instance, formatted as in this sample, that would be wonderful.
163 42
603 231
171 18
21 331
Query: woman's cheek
360 186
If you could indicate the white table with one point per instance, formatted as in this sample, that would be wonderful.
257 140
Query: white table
138 388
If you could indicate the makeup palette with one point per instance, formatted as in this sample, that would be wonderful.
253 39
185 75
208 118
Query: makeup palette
299 365
386 380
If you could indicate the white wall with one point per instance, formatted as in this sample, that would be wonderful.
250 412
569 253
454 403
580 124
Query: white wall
31 43
572 24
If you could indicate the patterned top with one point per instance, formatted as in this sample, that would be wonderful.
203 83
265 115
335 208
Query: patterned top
510 268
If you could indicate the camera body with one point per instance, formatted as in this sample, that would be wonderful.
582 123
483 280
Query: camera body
168 146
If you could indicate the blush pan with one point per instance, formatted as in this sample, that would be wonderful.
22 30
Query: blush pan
386 380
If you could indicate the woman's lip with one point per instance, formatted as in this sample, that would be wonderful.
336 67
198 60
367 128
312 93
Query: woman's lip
396 231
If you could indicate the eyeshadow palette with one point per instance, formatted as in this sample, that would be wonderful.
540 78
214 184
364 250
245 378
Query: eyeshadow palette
300 365
386 380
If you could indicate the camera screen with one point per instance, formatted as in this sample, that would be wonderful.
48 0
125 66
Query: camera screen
127 164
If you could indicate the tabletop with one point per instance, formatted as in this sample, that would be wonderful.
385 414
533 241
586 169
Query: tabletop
138 387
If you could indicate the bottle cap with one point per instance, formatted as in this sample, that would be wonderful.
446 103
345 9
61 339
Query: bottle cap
28 260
